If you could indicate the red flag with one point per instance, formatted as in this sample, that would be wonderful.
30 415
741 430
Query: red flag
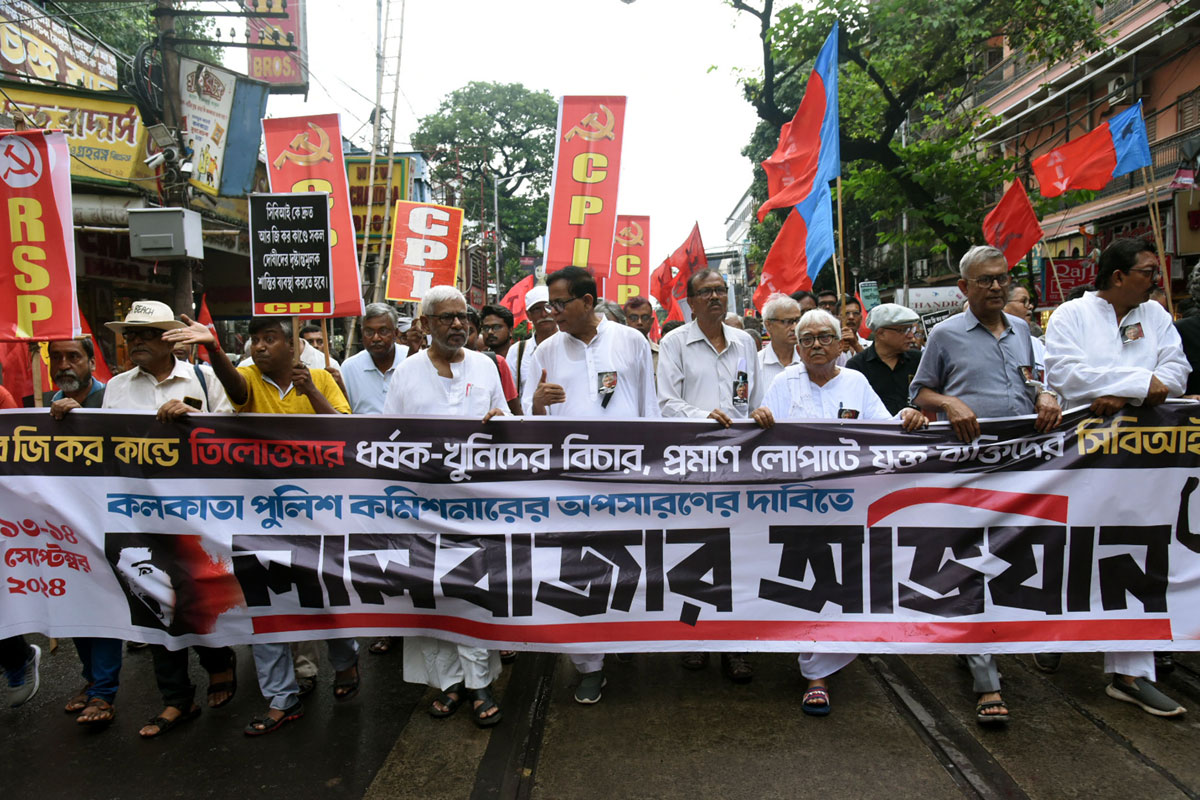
863 331
204 317
786 268
101 372
514 301
1113 148
655 330
1012 226
688 259
662 280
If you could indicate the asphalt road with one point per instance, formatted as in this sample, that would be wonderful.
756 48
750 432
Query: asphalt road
901 727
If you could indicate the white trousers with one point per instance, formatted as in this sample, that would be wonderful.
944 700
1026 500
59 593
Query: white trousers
1139 665
587 662
441 664
814 666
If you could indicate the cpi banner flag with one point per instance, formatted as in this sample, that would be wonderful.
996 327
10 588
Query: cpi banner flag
426 239
583 195
37 268
582 536
304 154
630 275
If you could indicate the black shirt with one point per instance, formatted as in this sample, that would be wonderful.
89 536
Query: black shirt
1189 332
890 384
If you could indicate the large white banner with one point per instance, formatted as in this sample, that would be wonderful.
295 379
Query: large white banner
581 536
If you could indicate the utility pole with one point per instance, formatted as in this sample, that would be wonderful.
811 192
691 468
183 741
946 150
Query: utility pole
391 149
183 300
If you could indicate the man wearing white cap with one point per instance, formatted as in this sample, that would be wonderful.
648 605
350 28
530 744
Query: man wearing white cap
544 327
888 362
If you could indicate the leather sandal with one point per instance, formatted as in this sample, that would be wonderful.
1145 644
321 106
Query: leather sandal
163 724
451 704
486 703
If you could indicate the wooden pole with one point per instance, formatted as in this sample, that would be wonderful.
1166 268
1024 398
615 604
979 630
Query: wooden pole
841 266
1054 271
35 361
296 340
325 341
1155 224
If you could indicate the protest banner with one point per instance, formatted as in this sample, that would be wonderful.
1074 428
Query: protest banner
37 266
586 536
583 192
933 318
630 273
304 154
426 241
290 270
868 296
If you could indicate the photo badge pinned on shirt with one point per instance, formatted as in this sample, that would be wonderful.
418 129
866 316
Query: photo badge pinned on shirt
1131 333
741 387
606 385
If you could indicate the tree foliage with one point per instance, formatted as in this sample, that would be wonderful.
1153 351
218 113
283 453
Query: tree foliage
129 26
489 134
906 61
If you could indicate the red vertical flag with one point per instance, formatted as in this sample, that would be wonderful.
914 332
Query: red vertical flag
102 371
514 301
688 259
662 281
1012 226
786 268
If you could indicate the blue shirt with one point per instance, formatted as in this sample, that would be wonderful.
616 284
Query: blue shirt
366 386
963 359
95 395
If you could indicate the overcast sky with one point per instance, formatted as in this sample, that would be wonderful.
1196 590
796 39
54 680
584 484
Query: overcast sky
685 125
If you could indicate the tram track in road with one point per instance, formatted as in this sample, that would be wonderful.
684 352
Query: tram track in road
967 761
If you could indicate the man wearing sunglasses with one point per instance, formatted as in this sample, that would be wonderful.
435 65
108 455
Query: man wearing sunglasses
888 362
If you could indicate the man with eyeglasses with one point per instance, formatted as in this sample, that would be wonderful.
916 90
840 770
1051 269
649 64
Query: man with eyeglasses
1108 349
496 324
639 315
780 313
709 369
368 373
888 362
980 364
594 369
544 327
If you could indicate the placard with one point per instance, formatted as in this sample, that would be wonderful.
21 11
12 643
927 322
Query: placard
290 262
425 243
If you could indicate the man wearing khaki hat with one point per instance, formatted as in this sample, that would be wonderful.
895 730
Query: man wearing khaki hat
888 362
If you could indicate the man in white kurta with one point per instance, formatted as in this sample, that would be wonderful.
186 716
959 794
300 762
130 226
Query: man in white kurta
448 380
1112 348
590 369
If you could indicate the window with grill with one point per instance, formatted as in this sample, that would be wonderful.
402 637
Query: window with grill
1187 110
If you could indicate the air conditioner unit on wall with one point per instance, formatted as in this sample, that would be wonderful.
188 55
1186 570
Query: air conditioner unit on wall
1121 89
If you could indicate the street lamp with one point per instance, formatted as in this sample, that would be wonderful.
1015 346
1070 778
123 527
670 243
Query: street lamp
496 217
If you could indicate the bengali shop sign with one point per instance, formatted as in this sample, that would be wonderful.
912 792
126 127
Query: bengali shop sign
630 274
427 239
576 535
35 44
583 196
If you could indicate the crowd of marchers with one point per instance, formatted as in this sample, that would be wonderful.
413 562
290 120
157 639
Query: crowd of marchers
1110 346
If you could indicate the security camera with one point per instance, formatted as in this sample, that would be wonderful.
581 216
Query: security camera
155 161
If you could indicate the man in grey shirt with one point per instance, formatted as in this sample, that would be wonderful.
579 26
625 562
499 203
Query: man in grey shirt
980 364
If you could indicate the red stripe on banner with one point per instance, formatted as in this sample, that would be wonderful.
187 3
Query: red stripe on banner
1051 507
1059 630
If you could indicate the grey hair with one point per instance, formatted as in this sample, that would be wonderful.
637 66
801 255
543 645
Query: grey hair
776 303
819 318
979 254
611 310
374 310
439 294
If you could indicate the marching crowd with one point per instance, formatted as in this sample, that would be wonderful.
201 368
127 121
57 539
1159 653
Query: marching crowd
1110 347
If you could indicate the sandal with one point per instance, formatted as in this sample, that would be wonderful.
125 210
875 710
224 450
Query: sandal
486 703
451 704
306 686
694 661
735 667
163 724
78 702
815 709
261 726
346 688
991 719
106 713
381 647
508 656
224 686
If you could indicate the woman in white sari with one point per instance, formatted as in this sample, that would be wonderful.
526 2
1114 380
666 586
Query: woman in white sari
818 389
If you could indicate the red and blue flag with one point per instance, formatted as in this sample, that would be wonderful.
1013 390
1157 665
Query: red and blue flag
1115 148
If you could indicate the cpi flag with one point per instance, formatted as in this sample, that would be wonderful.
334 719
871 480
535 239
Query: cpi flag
688 259
804 245
425 245
37 268
1117 147
583 195
631 251
1012 226
304 154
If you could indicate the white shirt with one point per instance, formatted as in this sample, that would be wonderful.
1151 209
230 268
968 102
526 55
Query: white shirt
1039 356
694 379
366 386
137 390
769 364
579 369
793 396
1085 357
313 358
526 365
417 388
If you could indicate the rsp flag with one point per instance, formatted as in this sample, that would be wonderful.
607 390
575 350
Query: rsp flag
583 196
425 244
304 154
630 275
37 268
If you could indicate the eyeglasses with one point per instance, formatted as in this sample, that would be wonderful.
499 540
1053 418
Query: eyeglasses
449 317
986 281
559 305
378 333
1153 272
807 340
711 291
491 328
145 334
904 330
790 322
639 317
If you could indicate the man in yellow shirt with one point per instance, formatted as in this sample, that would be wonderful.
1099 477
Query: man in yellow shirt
277 383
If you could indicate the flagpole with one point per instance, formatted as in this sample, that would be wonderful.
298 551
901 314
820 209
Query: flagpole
841 266
1054 271
35 351
1156 224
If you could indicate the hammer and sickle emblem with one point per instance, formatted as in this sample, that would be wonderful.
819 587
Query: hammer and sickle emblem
591 129
631 235
26 167
302 151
